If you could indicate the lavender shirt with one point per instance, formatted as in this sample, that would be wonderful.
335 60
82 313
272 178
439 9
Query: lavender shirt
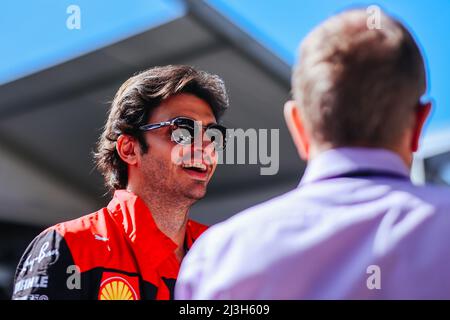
355 228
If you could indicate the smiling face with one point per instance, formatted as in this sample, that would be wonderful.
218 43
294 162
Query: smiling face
168 168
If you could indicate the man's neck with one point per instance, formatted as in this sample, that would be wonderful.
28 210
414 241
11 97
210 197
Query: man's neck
170 216
171 221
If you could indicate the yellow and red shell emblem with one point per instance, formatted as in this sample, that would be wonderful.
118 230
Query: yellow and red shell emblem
116 288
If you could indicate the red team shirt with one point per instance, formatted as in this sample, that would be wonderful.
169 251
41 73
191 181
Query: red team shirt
117 252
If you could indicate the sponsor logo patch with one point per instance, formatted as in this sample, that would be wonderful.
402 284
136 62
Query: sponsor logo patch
31 282
44 253
118 287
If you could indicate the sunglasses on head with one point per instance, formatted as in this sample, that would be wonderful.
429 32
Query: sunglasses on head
183 131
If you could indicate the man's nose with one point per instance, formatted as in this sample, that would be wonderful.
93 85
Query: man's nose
202 148
199 143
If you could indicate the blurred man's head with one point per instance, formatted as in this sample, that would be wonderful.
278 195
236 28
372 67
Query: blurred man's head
132 151
356 86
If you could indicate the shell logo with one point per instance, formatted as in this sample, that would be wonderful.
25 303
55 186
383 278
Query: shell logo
116 288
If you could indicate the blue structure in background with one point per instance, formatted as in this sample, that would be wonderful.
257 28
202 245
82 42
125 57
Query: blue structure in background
280 26
34 33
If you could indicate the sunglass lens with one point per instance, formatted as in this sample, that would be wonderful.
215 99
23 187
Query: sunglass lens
217 135
182 136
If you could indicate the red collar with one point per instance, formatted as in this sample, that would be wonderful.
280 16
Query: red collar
149 244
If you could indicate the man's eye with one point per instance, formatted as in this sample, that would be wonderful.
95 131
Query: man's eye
185 138
181 136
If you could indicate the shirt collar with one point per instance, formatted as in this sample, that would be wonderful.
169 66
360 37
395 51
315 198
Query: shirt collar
149 244
340 161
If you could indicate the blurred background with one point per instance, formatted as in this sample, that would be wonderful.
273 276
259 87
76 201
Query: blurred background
56 79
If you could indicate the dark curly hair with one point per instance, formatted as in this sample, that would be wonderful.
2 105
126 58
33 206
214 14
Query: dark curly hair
132 106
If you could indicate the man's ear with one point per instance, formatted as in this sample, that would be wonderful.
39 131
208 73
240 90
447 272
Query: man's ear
421 116
295 125
127 148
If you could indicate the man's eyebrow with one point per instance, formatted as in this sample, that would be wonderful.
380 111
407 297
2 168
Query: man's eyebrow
206 123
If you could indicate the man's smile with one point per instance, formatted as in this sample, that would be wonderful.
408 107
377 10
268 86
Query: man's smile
197 170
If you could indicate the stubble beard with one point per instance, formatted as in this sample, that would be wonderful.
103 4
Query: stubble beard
167 188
